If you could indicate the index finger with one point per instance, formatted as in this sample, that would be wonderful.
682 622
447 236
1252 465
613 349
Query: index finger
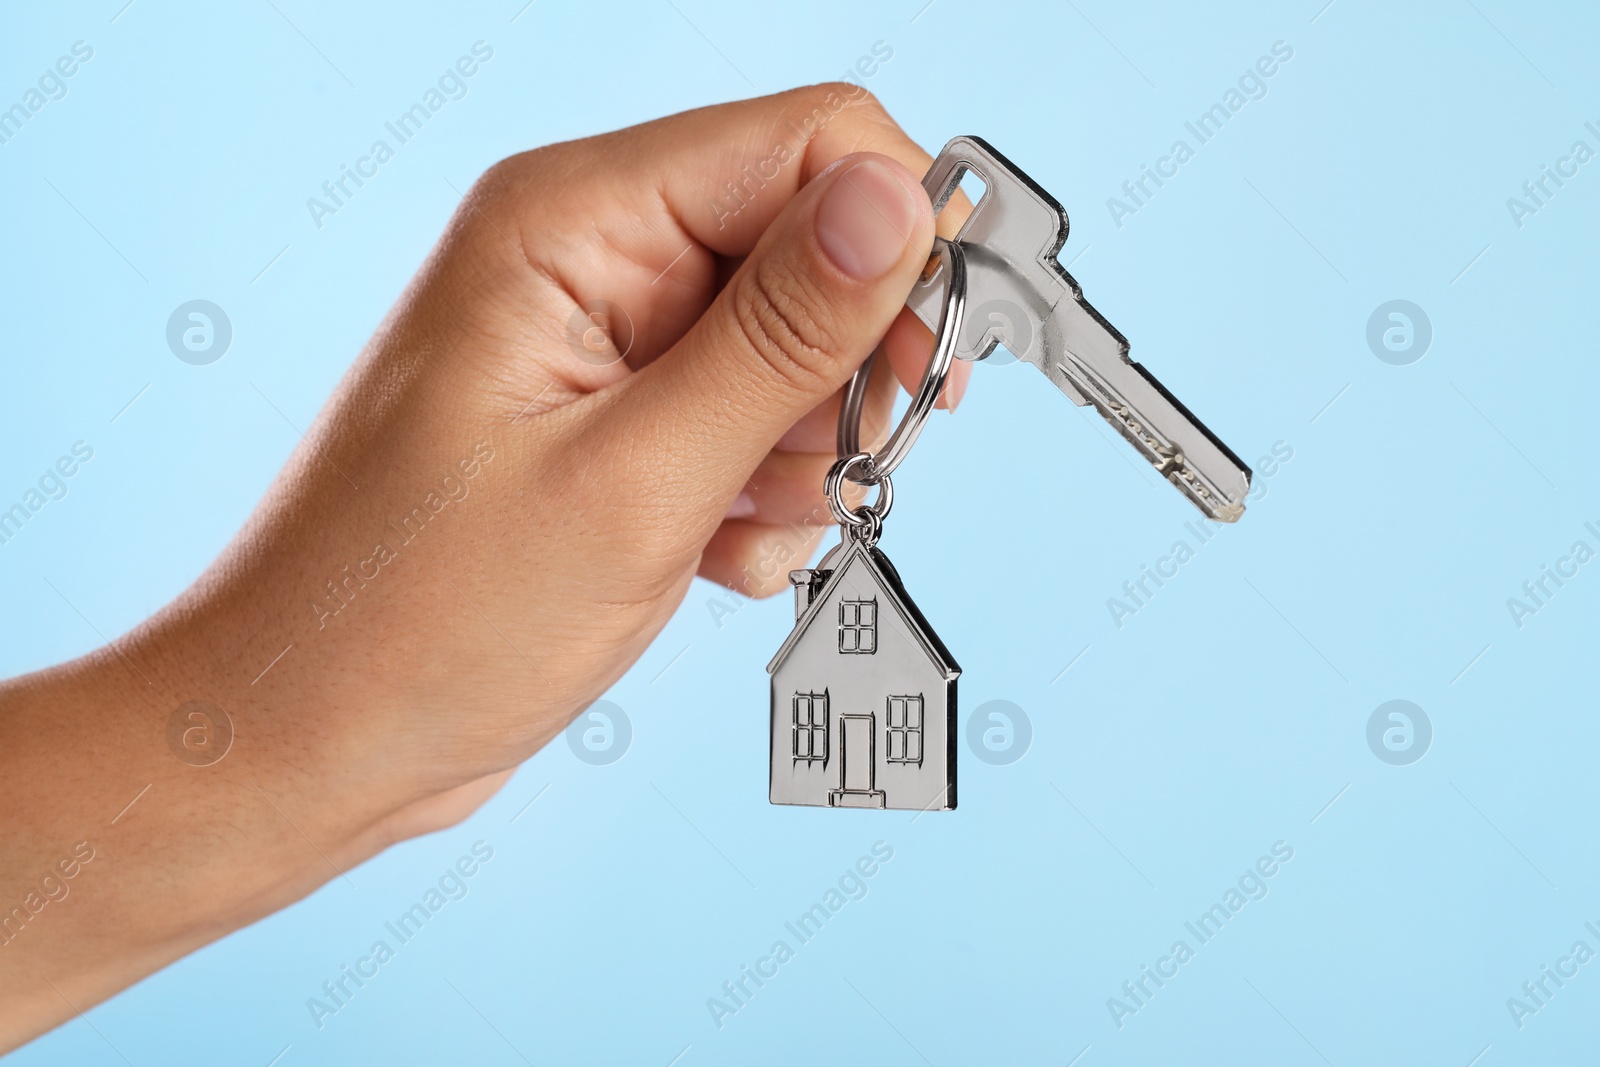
693 193
729 169
724 172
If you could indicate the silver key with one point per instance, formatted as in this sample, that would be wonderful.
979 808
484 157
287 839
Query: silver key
1019 295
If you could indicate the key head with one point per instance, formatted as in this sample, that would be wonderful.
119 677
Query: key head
1019 295
1011 238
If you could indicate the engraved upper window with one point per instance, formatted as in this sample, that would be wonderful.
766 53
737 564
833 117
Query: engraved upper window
904 741
811 726
858 626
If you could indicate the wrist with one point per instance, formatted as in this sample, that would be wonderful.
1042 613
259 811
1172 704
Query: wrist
132 844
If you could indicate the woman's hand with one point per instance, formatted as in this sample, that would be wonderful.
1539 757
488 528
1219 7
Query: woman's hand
619 368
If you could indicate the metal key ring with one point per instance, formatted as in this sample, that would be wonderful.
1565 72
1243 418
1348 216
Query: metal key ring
867 516
877 468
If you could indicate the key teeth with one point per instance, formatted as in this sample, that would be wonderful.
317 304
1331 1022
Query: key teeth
1170 462
1210 504
1080 352
1229 513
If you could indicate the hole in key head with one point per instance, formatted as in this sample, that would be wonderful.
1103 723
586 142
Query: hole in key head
995 330
973 186
957 207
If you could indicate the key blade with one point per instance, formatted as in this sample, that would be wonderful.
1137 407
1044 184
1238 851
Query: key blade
1019 295
1083 351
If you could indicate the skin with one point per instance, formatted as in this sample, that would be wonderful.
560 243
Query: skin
601 486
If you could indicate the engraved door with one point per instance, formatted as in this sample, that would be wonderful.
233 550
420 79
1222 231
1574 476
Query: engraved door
857 764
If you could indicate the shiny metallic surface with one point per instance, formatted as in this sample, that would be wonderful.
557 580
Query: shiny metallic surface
863 699
1011 241
950 266
863 692
862 514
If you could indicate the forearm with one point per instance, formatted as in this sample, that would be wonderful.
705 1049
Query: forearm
199 818
117 856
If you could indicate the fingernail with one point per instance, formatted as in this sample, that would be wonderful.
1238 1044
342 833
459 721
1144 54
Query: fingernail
742 507
865 220
956 389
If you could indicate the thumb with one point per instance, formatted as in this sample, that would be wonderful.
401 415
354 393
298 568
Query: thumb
802 312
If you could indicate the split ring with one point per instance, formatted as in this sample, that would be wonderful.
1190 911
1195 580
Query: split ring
871 515
877 468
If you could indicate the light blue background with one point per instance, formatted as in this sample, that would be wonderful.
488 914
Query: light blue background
1223 717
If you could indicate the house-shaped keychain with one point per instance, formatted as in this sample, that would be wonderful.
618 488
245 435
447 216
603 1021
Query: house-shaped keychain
863 692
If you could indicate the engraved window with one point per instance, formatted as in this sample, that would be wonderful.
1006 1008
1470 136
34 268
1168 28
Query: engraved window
904 742
811 726
858 626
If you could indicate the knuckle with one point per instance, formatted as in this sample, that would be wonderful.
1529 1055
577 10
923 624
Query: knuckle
490 203
508 181
763 565
504 178
775 312
856 96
